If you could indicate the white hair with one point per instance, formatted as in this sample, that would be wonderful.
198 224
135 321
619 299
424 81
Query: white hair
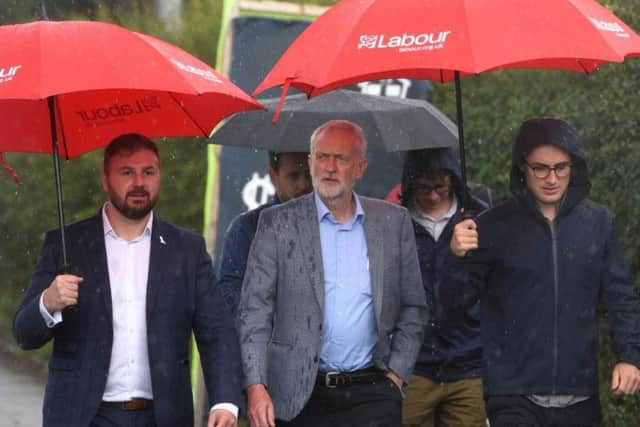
343 125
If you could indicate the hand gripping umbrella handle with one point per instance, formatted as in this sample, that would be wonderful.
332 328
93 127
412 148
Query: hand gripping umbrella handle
69 269
468 214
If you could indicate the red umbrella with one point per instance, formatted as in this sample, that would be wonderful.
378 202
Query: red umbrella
358 40
72 86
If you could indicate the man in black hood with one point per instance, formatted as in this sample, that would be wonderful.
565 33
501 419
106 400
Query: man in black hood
446 386
540 264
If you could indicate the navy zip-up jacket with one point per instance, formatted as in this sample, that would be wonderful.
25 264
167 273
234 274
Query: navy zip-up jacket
235 251
450 351
541 283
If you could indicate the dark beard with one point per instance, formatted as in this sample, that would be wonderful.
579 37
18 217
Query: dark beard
134 212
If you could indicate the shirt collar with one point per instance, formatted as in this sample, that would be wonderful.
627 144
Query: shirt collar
108 229
419 213
324 212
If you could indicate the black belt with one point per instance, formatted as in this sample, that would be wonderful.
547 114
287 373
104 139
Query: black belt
344 379
129 405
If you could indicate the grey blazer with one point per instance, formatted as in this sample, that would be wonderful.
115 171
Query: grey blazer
281 307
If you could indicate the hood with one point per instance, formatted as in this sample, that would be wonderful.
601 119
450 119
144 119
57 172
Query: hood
419 162
550 131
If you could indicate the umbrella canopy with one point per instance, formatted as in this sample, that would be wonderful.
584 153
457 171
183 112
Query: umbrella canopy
390 124
358 40
93 81
70 87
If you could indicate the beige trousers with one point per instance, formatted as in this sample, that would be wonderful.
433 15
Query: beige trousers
443 404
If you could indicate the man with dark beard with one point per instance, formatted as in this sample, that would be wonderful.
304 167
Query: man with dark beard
120 357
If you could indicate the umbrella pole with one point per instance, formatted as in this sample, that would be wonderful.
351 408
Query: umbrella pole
56 168
463 164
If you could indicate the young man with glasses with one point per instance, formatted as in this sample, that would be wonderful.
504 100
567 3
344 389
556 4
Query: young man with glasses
541 264
446 386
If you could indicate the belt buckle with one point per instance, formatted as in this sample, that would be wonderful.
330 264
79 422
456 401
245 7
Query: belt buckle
136 403
327 379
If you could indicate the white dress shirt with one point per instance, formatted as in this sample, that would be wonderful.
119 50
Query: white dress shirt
435 227
128 261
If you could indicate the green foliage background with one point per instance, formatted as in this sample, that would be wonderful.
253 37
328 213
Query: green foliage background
604 108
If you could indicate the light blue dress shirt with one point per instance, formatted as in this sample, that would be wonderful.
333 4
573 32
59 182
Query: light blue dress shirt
350 330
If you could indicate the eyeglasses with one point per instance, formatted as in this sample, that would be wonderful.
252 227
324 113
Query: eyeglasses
542 171
441 189
340 159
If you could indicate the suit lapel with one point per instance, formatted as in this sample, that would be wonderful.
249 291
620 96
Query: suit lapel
95 260
373 230
309 233
158 259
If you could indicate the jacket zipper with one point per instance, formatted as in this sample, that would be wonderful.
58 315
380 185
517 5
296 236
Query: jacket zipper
554 248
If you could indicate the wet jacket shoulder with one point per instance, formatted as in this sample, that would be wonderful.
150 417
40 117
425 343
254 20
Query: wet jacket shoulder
235 251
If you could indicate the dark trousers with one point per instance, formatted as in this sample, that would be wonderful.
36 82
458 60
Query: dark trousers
115 417
359 405
518 411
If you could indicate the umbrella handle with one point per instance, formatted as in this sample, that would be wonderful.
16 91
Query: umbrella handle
468 214
69 269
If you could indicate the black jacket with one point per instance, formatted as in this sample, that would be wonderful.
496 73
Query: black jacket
450 351
540 283
235 251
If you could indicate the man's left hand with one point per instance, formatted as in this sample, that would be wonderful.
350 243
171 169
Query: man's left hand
222 418
625 378
395 378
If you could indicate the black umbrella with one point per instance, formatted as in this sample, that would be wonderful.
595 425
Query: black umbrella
389 124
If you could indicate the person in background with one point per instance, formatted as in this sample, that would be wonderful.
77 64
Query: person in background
289 173
446 385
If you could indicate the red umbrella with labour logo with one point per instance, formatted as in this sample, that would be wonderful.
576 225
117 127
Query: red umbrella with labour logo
441 40
70 87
